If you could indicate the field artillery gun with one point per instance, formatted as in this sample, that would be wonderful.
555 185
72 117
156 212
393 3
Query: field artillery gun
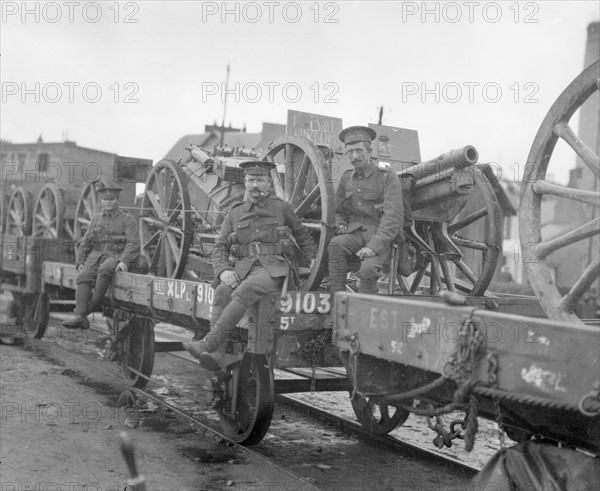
199 190
534 370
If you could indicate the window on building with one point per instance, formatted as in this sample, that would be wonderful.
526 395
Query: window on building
21 158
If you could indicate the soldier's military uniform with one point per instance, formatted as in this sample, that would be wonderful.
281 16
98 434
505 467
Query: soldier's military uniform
258 241
111 237
370 204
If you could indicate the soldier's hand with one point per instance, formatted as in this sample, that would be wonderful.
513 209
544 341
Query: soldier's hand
79 267
365 252
229 278
121 267
341 229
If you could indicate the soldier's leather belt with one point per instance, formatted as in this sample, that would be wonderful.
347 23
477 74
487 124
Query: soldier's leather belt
257 249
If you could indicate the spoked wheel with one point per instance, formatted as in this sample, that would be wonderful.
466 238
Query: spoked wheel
379 418
544 252
246 407
18 217
137 346
87 206
48 213
165 220
307 185
469 247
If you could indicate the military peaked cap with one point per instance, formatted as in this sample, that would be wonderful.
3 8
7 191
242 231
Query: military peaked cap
257 167
109 193
354 134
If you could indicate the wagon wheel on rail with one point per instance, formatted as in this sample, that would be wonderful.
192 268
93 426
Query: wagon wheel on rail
88 205
48 213
377 417
539 252
165 220
307 185
478 237
251 386
137 351
18 213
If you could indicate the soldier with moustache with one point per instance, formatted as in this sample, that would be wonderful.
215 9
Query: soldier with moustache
254 233
111 243
369 214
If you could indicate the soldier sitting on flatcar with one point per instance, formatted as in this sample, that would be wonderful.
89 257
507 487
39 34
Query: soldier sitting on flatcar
111 243
261 234
369 214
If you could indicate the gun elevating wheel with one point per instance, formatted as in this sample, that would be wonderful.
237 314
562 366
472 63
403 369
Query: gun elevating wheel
247 400
578 232
137 352
306 183
165 220
48 213
18 215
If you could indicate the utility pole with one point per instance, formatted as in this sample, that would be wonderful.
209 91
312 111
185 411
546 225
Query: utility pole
225 106
380 115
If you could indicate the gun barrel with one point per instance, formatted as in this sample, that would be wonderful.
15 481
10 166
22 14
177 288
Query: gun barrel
458 158
200 155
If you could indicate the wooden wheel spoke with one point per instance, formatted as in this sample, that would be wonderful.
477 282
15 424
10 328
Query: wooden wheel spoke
305 205
585 231
289 172
545 187
591 274
152 198
419 276
169 258
466 271
84 221
300 183
89 207
69 229
174 247
470 244
585 153
174 213
151 240
277 184
153 221
448 276
156 255
160 188
468 220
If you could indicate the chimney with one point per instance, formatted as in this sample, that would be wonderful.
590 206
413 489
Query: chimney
589 119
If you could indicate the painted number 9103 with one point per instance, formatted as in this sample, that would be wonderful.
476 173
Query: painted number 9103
306 303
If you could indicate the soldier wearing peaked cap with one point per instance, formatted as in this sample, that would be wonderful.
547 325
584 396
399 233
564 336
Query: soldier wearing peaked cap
369 214
111 243
258 234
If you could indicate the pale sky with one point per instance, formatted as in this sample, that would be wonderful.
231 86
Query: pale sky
377 53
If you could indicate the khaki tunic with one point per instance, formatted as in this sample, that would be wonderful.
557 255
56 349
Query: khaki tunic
258 232
371 202
109 235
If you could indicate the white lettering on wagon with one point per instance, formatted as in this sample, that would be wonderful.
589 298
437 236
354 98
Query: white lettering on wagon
205 293
178 289
159 287
545 380
415 327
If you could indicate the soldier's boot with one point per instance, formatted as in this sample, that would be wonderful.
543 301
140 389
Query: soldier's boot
211 350
102 283
83 293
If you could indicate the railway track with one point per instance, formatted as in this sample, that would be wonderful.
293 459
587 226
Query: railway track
175 387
